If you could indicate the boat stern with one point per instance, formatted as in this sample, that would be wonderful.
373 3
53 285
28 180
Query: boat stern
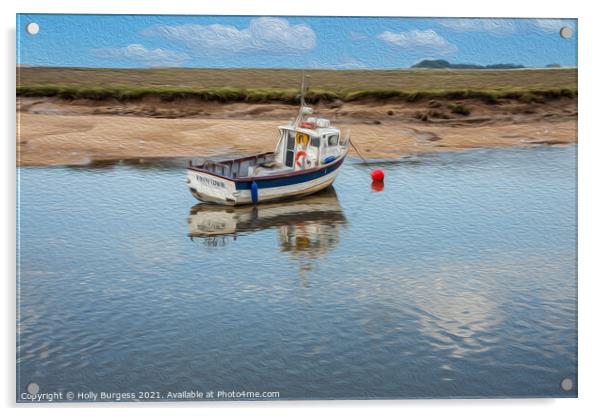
211 188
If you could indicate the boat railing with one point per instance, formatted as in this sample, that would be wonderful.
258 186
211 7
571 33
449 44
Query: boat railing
235 168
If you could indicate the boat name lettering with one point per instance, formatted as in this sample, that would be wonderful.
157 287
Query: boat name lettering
209 181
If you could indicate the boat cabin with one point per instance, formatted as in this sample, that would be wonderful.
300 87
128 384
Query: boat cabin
310 144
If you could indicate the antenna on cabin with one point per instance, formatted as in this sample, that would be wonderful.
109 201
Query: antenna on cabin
304 88
303 109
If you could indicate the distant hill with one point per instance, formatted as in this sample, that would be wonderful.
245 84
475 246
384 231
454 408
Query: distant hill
442 64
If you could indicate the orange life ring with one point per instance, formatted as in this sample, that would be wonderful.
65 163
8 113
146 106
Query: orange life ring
300 154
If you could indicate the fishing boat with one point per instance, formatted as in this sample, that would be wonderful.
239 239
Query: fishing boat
307 159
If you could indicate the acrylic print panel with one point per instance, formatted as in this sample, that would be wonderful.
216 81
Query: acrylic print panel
280 208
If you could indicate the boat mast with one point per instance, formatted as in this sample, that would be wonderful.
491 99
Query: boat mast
303 109
304 88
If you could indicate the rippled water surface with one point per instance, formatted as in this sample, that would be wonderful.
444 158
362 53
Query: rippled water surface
457 279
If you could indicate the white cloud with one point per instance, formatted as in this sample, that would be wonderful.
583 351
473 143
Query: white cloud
267 34
140 54
421 40
552 25
504 26
496 26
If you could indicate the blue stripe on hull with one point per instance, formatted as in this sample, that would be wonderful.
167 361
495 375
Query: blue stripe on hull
288 180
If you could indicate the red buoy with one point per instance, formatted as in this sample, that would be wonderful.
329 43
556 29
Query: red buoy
378 175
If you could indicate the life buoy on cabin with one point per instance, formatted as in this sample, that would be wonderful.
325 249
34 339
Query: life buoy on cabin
307 125
301 154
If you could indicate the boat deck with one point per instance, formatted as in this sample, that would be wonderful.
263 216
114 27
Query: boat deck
263 164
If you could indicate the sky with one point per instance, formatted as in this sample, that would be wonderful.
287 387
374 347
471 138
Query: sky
134 41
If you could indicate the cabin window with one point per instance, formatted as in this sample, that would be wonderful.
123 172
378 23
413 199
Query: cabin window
290 150
315 141
333 140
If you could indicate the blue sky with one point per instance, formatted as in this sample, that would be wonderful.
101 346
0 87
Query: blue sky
123 41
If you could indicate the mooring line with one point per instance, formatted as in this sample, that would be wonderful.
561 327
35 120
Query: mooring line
357 151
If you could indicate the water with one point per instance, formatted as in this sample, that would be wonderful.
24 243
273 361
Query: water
457 280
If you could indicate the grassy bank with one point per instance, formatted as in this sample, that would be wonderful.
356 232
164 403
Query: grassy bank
285 95
281 85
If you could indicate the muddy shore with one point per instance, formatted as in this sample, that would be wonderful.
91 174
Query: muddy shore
53 131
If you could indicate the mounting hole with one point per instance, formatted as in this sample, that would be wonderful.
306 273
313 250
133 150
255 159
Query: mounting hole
566 384
33 388
32 28
566 32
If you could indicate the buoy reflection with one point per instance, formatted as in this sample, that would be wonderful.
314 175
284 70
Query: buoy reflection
378 186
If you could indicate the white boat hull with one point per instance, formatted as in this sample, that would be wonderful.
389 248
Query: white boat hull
211 188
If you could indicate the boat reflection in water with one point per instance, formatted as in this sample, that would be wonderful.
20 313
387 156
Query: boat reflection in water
306 227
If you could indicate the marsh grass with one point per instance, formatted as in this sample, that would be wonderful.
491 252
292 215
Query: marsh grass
459 108
281 85
288 96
